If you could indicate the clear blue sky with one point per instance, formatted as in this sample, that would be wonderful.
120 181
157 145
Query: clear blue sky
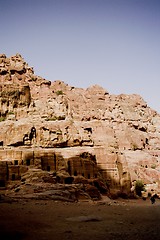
113 43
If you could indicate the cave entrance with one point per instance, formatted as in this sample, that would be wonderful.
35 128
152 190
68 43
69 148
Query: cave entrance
15 162
48 168
69 167
2 183
69 180
55 166
13 177
28 162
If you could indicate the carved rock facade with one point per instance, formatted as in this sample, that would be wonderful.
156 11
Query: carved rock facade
72 132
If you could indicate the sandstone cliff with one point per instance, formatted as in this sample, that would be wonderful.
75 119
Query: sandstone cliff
75 135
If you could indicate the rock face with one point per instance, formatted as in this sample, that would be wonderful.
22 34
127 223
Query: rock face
78 135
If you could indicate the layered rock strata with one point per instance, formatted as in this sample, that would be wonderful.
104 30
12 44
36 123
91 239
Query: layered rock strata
72 132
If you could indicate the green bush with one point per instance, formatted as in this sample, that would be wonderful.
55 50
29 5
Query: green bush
139 187
2 119
134 147
11 113
52 119
153 166
59 92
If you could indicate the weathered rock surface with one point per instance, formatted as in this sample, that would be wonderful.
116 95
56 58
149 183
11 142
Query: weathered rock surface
78 135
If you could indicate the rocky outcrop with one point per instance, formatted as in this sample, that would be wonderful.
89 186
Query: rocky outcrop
82 136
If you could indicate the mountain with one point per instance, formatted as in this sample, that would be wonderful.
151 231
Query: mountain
74 136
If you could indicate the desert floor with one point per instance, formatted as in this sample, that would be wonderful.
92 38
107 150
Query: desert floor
120 219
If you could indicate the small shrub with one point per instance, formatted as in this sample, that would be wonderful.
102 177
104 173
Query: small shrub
59 132
59 92
56 118
134 147
11 113
139 187
153 166
52 119
2 119
33 78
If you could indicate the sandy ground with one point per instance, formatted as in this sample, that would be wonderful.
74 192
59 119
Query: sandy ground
39 220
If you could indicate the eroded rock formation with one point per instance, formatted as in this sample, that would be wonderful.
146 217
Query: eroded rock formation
77 135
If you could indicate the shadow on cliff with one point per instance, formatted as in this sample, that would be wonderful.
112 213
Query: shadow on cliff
82 169
79 171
